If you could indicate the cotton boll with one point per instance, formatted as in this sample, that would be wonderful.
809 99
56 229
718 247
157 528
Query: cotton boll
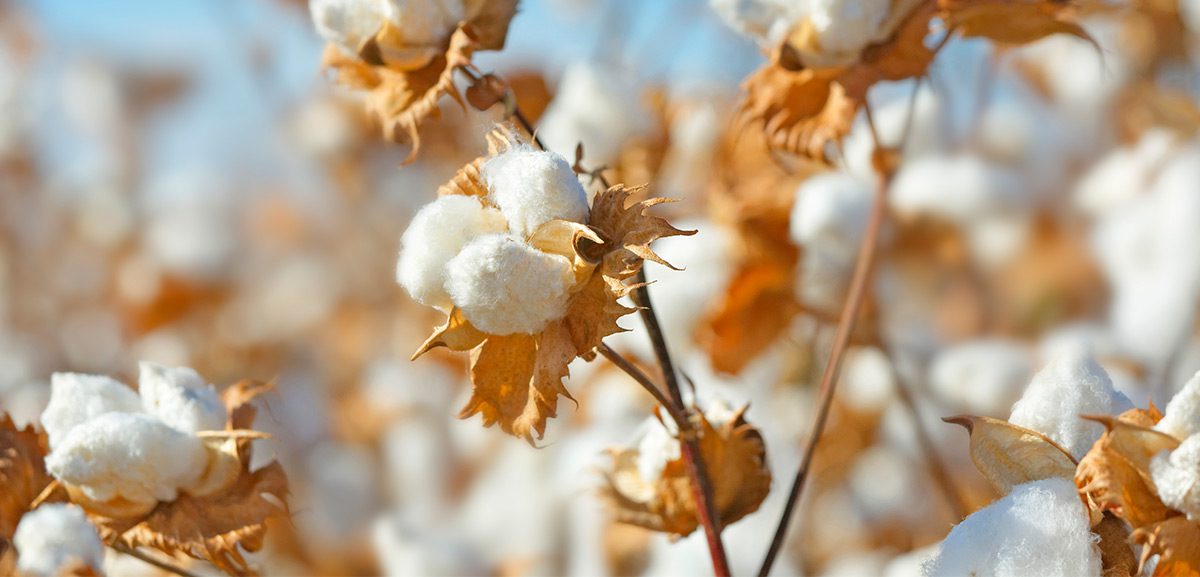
426 22
847 26
597 106
180 398
505 286
1070 385
1040 528
1177 477
656 448
766 21
831 208
960 188
1182 417
436 234
532 187
76 399
56 539
867 381
982 377
349 23
132 456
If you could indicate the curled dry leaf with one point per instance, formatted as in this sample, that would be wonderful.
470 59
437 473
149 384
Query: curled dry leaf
1011 22
228 515
736 461
1115 473
22 473
1009 455
404 82
1176 541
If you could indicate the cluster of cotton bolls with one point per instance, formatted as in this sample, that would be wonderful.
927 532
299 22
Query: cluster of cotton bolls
120 451
475 253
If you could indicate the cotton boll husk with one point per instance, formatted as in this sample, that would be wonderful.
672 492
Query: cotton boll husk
349 23
76 399
130 456
55 539
1070 385
981 377
681 297
1177 477
1182 416
436 234
504 286
596 105
532 187
1040 528
180 398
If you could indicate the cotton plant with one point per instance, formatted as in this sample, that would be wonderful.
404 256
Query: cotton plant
144 464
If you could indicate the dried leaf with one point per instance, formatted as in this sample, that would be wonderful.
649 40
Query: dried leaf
1114 475
457 334
1009 455
756 309
22 473
1011 22
1176 541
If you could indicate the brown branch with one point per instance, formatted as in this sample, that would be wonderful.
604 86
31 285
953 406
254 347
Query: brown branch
164 565
702 490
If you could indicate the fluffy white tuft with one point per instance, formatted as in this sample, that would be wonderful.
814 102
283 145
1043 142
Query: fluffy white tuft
436 234
134 456
1072 384
656 448
1040 528
829 219
180 398
533 187
961 188
1177 477
1182 417
847 26
982 377
504 286
56 539
76 398
763 20
426 21
349 23
597 106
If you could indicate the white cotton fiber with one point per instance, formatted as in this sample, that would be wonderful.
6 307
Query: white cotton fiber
76 398
1182 417
436 234
847 26
1072 384
180 398
349 23
959 188
981 377
426 22
504 286
598 106
831 208
763 20
656 448
56 539
134 456
1177 477
532 187
1040 528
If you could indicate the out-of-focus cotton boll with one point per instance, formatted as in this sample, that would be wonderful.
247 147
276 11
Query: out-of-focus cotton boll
504 286
1145 249
1070 385
829 219
1123 174
656 448
349 23
900 496
327 127
57 539
180 398
680 298
845 27
76 399
194 241
960 188
407 549
532 187
426 21
1040 528
983 377
1177 477
766 21
597 106
436 234
134 456
1182 417
867 381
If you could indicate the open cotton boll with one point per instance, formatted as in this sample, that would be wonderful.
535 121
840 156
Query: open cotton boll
1040 528
426 21
1070 385
180 398
133 456
847 26
532 187
1177 477
349 23
504 286
55 539
77 398
982 377
1182 417
436 234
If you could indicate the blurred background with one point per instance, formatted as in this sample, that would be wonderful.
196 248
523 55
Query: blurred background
180 182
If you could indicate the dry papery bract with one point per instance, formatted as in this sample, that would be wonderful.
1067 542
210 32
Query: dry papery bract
227 513
517 378
404 79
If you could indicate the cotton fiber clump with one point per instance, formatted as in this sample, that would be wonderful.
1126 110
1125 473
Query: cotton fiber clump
1177 477
76 398
180 398
532 187
767 21
847 26
350 23
656 448
1072 384
436 234
1040 528
57 539
130 456
829 219
1182 417
505 286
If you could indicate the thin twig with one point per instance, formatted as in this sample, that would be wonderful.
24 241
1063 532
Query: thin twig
690 450
164 565
681 421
